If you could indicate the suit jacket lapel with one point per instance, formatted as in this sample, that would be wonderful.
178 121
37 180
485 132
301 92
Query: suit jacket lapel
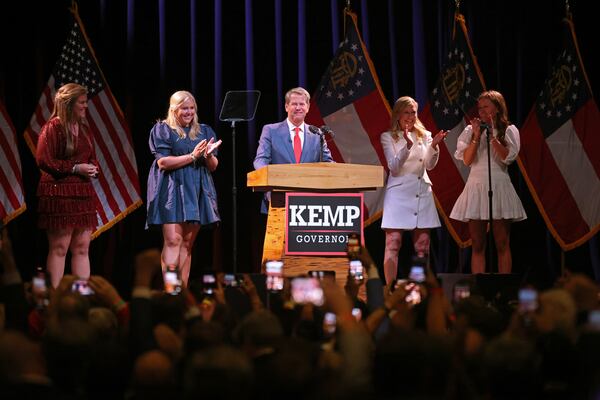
284 134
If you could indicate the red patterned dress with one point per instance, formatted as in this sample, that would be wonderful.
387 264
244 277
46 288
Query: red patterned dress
66 199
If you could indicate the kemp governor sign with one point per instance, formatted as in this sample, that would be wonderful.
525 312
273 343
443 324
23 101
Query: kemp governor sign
319 223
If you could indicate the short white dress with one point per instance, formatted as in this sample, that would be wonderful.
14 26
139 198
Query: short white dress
473 202
408 202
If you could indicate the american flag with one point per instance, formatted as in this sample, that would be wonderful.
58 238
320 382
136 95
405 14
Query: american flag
12 200
452 102
349 100
117 187
560 149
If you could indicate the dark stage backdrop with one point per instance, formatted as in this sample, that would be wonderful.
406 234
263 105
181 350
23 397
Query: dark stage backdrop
148 49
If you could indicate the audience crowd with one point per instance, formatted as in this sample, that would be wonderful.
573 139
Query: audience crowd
243 342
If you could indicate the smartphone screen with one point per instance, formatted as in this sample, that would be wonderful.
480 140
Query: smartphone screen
356 270
324 274
329 323
594 320
413 293
172 280
232 280
81 286
274 270
353 245
461 292
209 283
307 290
417 273
528 301
39 289
357 313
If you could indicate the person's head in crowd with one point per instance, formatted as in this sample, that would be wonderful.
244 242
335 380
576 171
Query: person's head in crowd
583 290
511 369
258 332
557 312
21 360
67 346
406 362
153 376
72 305
169 310
221 372
203 334
104 322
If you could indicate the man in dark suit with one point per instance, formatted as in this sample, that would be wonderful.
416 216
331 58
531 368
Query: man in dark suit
290 141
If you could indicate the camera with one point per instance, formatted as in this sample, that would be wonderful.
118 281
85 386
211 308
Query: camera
307 290
81 286
356 270
172 280
274 270
233 280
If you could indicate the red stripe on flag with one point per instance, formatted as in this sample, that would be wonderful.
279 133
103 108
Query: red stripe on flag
317 119
375 118
120 141
549 189
106 187
108 155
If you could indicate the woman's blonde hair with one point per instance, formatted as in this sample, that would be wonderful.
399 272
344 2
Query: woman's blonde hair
399 106
176 100
65 98
501 121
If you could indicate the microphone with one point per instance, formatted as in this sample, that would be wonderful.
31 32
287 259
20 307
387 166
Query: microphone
323 130
327 131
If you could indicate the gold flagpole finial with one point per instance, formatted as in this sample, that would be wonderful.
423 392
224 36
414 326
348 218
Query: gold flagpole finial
348 6
457 4
568 10
74 8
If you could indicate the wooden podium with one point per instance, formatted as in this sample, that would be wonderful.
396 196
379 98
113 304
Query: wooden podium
309 177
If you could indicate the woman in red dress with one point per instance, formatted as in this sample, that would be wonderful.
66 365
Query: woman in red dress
67 205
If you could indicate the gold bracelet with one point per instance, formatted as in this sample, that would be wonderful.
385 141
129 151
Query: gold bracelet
475 141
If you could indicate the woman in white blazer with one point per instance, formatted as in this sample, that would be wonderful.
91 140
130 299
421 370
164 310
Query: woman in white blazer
409 151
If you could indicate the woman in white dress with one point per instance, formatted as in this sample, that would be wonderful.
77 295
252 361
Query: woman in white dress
472 205
409 151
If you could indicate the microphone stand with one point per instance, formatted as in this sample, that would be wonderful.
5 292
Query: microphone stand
490 202
321 139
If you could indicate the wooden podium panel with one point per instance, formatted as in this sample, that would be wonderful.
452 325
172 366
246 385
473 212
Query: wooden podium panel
309 177
314 177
